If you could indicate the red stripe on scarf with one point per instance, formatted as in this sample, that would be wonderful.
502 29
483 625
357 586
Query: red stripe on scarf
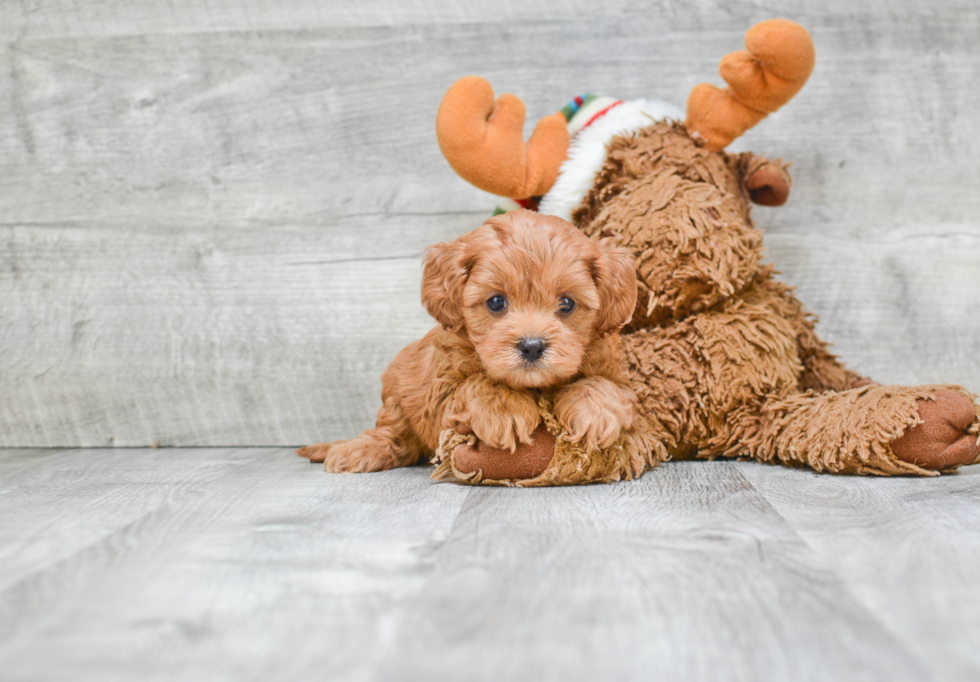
601 113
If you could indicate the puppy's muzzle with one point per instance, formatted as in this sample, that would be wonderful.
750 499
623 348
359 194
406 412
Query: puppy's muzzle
531 349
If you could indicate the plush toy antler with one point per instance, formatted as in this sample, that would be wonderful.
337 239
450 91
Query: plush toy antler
483 140
761 79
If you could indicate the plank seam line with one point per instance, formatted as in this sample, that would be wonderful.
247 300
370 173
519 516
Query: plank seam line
170 503
844 585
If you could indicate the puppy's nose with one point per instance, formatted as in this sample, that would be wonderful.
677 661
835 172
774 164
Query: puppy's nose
531 349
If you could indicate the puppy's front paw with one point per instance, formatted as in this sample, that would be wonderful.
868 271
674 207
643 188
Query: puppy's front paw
503 420
595 427
594 411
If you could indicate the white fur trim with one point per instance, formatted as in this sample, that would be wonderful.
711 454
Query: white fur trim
587 152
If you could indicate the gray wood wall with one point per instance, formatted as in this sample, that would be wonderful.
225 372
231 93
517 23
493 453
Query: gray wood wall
211 214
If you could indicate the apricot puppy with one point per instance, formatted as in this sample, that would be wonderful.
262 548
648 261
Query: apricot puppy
525 303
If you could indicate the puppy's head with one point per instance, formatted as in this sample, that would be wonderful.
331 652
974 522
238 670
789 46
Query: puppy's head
531 292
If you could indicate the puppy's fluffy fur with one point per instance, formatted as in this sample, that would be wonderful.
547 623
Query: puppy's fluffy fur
470 371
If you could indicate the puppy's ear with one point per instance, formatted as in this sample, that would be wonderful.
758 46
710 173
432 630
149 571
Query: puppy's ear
443 277
614 273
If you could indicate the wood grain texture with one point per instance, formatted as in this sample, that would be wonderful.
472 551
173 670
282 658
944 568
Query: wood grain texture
211 214
686 574
37 19
58 502
251 564
907 548
262 568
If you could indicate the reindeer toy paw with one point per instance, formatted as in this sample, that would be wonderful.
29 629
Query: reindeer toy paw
723 358
553 457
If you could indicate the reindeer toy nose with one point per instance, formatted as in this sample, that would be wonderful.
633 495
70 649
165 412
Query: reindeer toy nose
531 349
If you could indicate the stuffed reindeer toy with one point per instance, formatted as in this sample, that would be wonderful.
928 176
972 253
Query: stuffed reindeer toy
721 357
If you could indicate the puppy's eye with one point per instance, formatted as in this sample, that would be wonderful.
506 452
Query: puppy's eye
496 303
566 305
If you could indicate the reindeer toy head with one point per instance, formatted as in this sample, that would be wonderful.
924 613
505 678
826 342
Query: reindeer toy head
723 357
483 141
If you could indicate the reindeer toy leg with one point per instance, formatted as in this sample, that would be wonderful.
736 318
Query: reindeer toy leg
724 359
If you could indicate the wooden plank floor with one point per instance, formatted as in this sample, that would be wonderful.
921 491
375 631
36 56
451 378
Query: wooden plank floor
251 564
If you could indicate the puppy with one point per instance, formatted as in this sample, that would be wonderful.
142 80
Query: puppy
525 303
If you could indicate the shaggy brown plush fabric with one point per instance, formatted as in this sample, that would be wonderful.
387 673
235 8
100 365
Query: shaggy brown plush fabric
724 359
683 213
